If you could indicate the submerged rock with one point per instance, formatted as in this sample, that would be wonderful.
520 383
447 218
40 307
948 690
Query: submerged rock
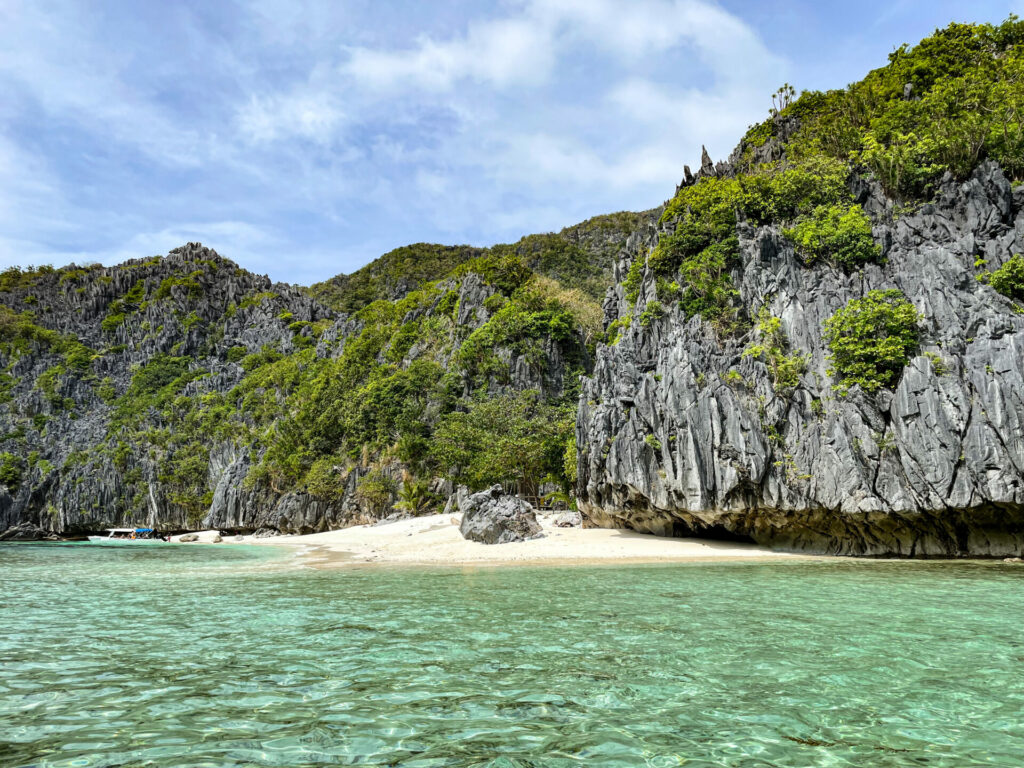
496 517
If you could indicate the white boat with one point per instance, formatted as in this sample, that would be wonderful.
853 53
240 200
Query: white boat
128 536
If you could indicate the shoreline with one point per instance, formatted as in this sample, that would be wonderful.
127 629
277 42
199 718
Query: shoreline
435 540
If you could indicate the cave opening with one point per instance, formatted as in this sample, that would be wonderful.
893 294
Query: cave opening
682 530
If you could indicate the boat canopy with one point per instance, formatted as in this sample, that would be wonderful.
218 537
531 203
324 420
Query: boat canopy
129 530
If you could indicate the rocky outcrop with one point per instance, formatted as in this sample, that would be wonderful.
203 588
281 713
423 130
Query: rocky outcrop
27 532
91 451
496 517
681 434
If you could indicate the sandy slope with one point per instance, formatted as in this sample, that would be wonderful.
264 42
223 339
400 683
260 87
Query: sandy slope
435 540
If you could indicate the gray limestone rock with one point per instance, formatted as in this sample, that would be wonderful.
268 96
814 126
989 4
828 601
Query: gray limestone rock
568 519
27 532
496 517
679 433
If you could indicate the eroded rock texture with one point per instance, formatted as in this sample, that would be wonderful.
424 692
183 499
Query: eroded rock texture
496 517
673 443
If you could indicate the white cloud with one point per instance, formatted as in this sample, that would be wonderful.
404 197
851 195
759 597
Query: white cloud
311 115
524 49
236 240
73 76
498 52
271 130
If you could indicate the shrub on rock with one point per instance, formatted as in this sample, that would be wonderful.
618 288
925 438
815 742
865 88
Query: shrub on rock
871 339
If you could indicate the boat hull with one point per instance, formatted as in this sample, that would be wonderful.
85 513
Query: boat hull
125 542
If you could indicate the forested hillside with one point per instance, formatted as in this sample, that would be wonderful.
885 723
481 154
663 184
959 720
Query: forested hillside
817 344
185 392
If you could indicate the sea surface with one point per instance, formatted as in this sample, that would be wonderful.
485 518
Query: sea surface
229 656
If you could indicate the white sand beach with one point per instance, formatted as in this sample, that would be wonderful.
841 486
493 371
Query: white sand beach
435 540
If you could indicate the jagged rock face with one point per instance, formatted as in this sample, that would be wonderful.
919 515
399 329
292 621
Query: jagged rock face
496 517
26 532
78 475
669 444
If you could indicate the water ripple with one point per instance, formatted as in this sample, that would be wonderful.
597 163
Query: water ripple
202 657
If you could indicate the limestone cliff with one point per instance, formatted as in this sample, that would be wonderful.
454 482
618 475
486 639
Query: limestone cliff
680 433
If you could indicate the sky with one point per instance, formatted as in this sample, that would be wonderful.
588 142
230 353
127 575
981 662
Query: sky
304 138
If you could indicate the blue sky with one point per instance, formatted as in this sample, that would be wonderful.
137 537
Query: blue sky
304 138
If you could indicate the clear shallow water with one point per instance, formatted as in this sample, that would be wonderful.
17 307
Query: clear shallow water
202 656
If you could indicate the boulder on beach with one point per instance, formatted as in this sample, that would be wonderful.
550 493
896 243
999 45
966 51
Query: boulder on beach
188 537
496 517
570 518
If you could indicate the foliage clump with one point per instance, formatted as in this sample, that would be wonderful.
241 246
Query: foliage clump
785 368
515 439
1009 278
703 248
119 309
872 339
941 106
838 232
11 468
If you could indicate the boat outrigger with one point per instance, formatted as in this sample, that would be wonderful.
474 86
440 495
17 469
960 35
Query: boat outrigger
129 536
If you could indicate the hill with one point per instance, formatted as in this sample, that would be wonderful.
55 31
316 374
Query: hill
817 344
185 392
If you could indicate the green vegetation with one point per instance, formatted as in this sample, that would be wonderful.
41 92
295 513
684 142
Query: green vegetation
10 471
653 442
703 248
839 232
871 339
1008 279
771 350
376 489
511 439
17 279
235 354
534 313
580 256
414 496
188 283
406 380
411 265
652 311
119 309
965 104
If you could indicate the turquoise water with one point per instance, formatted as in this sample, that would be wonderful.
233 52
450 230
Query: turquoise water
205 656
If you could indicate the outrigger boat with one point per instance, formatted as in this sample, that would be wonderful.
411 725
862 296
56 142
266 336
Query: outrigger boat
128 536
